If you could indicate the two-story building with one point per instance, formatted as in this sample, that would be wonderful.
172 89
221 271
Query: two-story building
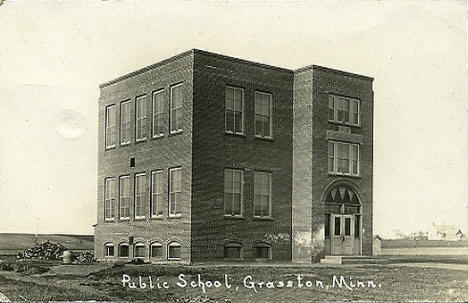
204 157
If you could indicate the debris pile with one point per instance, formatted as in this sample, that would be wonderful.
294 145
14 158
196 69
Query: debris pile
47 250
86 257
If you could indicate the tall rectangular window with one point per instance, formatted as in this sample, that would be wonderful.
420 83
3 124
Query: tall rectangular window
158 113
176 107
111 126
234 110
157 194
343 158
262 194
140 186
124 198
141 119
125 122
175 190
343 110
109 198
263 115
233 183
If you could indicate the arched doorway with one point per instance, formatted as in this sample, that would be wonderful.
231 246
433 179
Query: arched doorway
342 221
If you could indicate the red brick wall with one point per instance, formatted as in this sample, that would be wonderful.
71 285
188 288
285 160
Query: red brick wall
213 151
158 153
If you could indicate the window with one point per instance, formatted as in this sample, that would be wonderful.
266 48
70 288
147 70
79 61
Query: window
139 250
262 251
262 194
263 120
234 110
156 250
111 126
327 225
173 251
357 226
176 109
124 250
157 195
141 119
175 190
140 185
109 250
347 226
124 198
158 113
232 251
233 183
343 158
109 199
125 122
337 226
343 110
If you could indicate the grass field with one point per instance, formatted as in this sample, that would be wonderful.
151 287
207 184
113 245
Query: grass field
11 243
408 279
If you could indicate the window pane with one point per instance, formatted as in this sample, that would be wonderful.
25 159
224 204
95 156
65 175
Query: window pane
347 226
355 157
174 251
331 109
156 251
175 190
158 110
139 251
176 108
140 195
232 252
261 252
357 228
229 98
141 125
111 126
124 197
331 156
354 112
230 121
237 122
262 195
327 226
337 226
157 193
343 158
124 251
109 250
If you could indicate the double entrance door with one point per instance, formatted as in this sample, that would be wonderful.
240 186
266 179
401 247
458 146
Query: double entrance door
342 234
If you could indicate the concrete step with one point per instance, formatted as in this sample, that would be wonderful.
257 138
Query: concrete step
353 260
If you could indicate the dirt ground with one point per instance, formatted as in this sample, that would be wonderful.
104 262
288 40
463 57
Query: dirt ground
403 279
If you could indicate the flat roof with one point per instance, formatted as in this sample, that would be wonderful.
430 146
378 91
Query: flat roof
234 59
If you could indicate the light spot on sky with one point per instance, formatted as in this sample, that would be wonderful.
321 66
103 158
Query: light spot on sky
70 124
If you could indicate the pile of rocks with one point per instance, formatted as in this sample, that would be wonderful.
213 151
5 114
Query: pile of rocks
47 250
86 257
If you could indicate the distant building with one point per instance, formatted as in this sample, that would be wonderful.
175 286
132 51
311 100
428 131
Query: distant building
446 232
204 157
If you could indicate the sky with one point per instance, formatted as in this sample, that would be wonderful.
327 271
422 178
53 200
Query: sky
53 56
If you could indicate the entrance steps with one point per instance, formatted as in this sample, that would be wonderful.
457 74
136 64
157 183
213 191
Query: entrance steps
353 260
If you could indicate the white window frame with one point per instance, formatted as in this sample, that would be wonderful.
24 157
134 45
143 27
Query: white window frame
138 119
156 244
139 244
173 244
121 178
270 136
335 159
142 176
160 193
232 170
110 130
334 99
157 116
109 202
125 124
181 108
178 193
234 88
269 216
109 244
118 249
